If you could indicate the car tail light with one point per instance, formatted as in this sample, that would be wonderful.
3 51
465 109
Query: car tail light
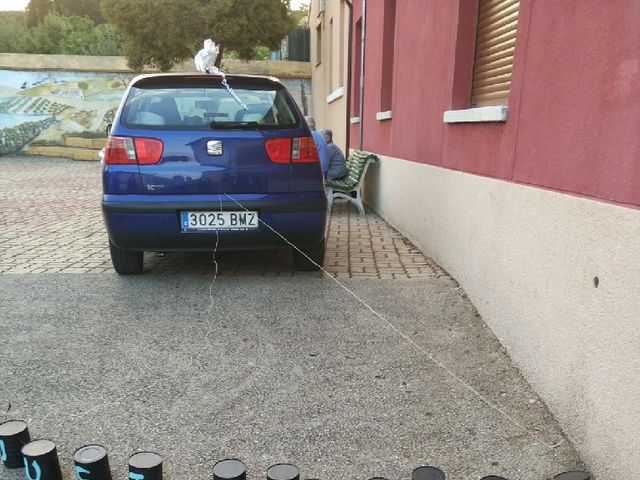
288 150
279 150
304 150
119 150
127 150
148 150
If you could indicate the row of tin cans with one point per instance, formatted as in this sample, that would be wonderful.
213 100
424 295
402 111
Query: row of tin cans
39 457
40 461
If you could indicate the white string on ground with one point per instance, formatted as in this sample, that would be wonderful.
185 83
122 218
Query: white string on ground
205 344
410 341
99 406
136 366
215 262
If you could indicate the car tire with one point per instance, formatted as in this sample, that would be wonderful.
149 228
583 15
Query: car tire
126 262
316 254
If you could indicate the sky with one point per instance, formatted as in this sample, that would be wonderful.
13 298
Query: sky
13 4
21 4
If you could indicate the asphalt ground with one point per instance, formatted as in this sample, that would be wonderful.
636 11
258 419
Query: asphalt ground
372 376
278 370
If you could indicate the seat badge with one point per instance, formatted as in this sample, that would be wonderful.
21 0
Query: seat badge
214 147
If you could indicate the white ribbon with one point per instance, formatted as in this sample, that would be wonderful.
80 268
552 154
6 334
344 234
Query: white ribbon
205 61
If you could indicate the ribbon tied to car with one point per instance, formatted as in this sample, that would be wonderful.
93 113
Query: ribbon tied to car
205 61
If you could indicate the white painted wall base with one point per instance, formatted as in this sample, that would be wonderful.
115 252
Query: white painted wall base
527 259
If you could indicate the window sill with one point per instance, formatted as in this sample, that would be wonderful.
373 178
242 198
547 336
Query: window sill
336 94
354 120
383 115
493 113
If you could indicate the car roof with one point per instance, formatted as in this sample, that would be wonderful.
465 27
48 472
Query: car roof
178 78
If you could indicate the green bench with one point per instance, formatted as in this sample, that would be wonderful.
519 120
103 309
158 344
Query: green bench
350 187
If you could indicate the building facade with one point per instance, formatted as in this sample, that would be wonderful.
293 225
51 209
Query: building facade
329 25
507 132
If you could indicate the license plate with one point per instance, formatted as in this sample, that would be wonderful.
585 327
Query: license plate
240 220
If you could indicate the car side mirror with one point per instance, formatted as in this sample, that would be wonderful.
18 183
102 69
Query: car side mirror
108 130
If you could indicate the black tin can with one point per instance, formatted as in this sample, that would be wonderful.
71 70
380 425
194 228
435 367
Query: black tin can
14 434
41 460
427 473
283 471
145 466
92 463
229 469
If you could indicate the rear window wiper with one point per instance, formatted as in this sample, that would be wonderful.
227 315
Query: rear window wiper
222 125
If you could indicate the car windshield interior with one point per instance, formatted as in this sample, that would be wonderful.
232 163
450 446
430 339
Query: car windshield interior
198 108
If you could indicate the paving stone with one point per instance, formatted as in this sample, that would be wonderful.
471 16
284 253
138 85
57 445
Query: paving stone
55 225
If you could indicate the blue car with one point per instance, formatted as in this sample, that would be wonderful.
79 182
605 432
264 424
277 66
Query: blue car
191 165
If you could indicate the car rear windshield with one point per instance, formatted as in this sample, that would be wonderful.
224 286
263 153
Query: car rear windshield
208 107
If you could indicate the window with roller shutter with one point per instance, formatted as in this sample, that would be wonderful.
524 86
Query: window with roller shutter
495 46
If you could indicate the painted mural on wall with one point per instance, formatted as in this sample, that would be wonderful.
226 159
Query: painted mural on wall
43 107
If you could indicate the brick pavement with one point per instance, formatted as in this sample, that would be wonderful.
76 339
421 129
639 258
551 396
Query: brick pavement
50 222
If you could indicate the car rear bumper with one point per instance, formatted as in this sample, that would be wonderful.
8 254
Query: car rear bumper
152 222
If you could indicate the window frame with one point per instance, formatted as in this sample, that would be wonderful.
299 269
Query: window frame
463 71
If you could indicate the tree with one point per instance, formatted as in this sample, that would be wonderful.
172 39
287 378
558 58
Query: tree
78 35
84 86
13 31
81 8
301 16
162 33
58 34
48 36
107 41
37 10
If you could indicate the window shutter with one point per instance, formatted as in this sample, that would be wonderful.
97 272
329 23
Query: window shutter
495 44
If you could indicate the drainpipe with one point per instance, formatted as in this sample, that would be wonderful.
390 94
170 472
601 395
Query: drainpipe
349 52
364 19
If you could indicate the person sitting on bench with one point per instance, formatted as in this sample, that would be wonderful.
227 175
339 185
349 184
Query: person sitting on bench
337 162
321 143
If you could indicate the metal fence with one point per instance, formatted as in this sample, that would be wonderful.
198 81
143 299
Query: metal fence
295 47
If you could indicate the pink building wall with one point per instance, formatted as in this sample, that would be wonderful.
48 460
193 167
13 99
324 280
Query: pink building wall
574 106
528 258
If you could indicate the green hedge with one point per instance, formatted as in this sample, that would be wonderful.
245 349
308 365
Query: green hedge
58 34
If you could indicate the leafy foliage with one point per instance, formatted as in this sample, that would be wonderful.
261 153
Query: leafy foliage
58 34
246 24
158 33
13 32
37 10
161 33
81 8
107 41
301 16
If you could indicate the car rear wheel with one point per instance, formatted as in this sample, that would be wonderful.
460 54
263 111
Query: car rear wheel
126 262
311 264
